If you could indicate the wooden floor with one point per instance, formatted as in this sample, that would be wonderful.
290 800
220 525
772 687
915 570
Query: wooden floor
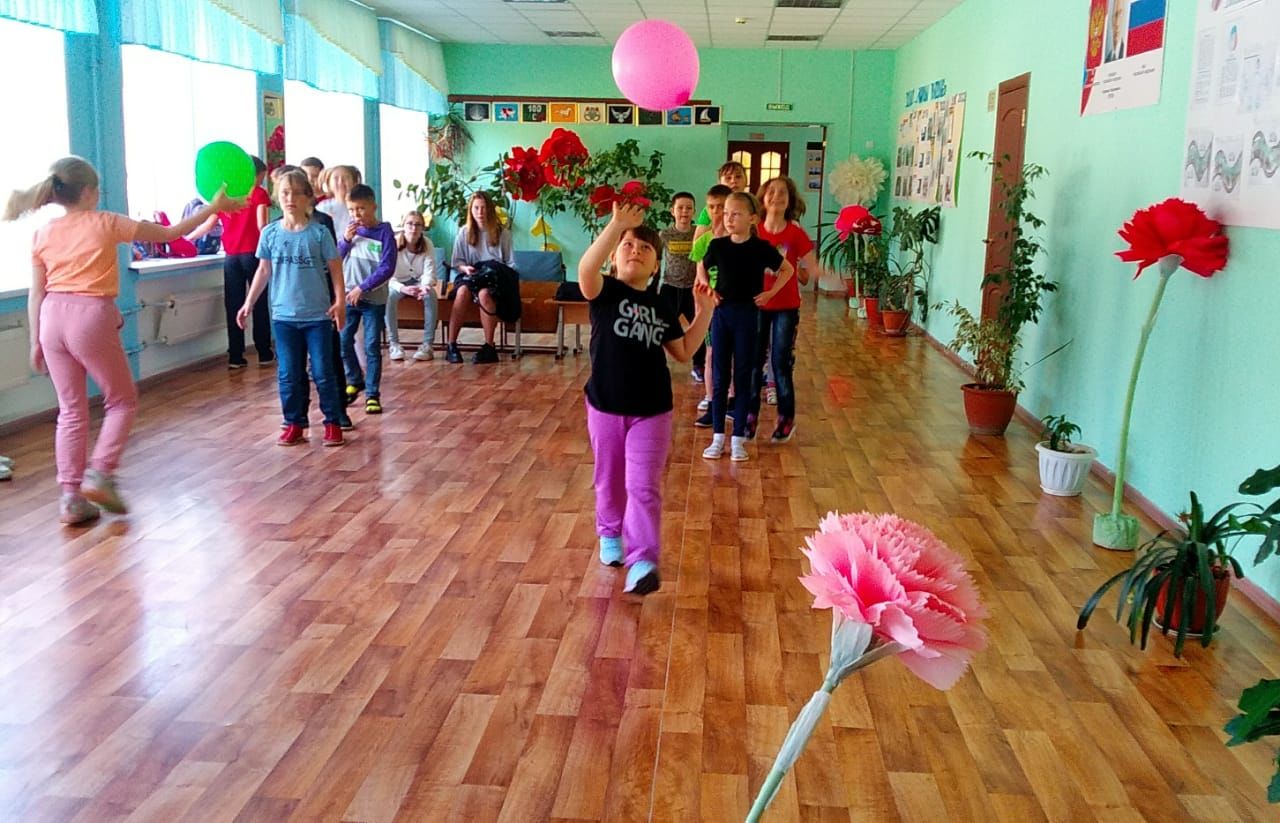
415 627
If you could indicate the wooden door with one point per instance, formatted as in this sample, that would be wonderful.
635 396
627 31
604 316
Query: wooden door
1009 150
762 160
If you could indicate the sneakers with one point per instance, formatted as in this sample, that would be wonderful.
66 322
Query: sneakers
74 510
750 429
642 578
451 353
486 354
738 450
333 434
697 375
611 553
291 436
344 423
704 421
352 393
704 405
395 352
771 396
424 353
265 362
237 364
785 429
372 406
101 489
716 450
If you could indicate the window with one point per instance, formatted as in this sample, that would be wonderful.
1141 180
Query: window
770 166
404 157
28 51
324 124
743 157
172 106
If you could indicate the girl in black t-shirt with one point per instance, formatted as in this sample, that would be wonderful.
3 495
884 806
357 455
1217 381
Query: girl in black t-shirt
629 391
736 264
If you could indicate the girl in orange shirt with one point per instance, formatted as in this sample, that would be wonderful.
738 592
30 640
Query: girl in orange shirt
75 324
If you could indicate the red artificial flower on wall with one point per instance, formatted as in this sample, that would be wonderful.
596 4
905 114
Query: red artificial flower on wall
1175 227
522 173
631 194
560 153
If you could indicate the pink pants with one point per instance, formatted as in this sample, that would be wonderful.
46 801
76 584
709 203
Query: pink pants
630 453
80 335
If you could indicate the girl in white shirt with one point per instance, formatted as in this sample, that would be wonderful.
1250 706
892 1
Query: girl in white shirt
415 277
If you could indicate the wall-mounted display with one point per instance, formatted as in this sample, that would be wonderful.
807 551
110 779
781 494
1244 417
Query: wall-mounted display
533 112
1124 55
927 161
506 112
475 111
564 113
620 115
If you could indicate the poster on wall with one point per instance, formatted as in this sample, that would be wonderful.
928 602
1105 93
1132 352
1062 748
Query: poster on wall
1231 151
927 161
1124 55
273 128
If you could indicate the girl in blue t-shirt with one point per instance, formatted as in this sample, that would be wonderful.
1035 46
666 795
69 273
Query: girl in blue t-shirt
629 391
740 261
299 258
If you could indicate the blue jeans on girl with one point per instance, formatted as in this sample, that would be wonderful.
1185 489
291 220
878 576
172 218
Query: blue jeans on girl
734 331
294 343
778 340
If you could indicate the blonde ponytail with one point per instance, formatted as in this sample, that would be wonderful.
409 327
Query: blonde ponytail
68 178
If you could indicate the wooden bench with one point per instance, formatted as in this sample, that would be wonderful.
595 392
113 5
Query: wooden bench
574 313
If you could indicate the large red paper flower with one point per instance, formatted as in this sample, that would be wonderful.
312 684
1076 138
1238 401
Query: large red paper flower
857 220
1179 228
631 194
561 153
522 173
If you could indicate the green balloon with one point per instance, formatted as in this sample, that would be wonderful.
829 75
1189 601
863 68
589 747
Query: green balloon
222 162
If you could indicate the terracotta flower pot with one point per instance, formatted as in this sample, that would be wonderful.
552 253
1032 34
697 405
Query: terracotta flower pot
895 321
988 410
872 305
1063 473
1221 589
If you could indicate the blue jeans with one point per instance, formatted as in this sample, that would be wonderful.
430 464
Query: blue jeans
374 316
778 339
295 341
734 330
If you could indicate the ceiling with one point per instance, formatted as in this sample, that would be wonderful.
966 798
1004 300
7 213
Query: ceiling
836 24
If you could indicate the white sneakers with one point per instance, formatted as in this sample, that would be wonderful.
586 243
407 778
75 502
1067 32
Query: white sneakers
424 353
737 449
397 353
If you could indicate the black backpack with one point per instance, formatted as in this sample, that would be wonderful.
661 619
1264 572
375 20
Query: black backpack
507 288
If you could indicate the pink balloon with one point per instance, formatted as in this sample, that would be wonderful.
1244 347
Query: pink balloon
655 65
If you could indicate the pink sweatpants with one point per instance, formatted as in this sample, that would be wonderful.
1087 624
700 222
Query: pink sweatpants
630 453
80 335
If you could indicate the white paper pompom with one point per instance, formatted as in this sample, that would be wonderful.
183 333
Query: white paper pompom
857 180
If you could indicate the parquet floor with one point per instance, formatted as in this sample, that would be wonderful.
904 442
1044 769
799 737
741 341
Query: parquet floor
415 627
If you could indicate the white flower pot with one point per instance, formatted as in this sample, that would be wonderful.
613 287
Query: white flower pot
1063 473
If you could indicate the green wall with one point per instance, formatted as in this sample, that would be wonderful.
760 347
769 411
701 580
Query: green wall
1205 414
851 99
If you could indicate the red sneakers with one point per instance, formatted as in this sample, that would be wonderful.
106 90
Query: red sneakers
333 434
292 435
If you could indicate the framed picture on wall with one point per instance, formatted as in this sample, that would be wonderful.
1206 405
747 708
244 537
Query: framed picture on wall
475 112
506 112
682 116
706 115
620 115
533 112
649 118
564 113
591 112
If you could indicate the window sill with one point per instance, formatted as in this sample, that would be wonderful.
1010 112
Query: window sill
201 261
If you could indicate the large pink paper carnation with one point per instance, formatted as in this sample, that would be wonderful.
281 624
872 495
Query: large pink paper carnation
899 578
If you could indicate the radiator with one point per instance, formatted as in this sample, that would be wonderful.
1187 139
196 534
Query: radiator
14 371
189 316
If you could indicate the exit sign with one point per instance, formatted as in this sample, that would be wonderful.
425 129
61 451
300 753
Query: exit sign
777 107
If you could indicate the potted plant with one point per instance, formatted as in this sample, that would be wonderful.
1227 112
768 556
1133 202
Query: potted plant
1064 465
447 133
994 341
1180 582
444 192
1259 717
905 282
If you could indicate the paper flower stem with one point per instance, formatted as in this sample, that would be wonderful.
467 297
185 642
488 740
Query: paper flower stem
1168 266
794 743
